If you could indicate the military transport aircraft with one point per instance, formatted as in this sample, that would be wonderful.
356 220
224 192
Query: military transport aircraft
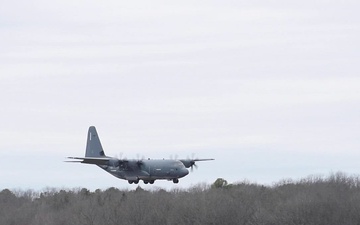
134 170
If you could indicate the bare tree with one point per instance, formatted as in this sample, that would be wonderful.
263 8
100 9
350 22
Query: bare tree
314 200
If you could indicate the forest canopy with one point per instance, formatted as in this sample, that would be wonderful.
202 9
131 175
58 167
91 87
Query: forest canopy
334 199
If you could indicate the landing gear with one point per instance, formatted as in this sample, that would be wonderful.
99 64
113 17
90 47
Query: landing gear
145 181
175 180
149 181
133 181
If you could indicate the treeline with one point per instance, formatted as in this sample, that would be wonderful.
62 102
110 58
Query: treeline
316 200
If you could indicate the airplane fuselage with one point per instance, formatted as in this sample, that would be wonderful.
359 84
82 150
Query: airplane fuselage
147 170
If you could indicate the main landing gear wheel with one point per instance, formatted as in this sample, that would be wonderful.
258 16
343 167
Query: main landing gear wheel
176 181
133 181
149 181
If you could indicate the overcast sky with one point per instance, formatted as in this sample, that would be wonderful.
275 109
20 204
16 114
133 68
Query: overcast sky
270 89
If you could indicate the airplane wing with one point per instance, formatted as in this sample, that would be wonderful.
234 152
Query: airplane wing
191 162
195 160
91 160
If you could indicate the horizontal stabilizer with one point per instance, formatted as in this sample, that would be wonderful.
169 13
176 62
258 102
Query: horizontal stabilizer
91 160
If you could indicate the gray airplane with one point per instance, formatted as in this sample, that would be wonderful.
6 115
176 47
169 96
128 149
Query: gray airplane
134 170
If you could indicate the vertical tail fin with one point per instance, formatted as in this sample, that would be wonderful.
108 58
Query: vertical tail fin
93 145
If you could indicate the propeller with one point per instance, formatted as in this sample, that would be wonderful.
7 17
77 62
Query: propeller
120 157
118 160
191 163
139 161
172 157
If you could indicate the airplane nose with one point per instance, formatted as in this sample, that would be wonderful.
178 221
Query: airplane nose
184 172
